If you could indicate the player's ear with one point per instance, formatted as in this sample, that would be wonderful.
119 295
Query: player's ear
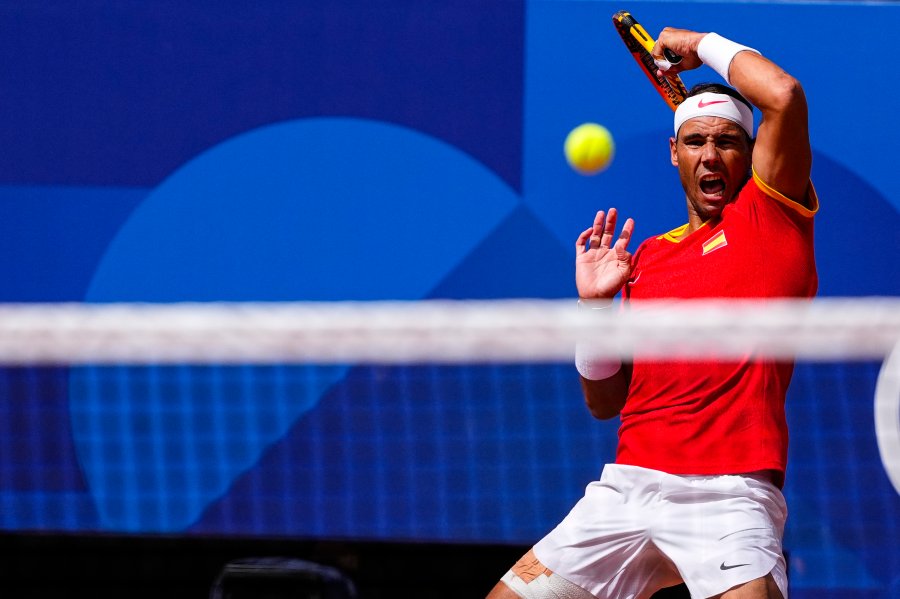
672 142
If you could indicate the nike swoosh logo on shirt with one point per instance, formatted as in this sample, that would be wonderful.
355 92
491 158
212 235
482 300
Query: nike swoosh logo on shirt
702 104
724 567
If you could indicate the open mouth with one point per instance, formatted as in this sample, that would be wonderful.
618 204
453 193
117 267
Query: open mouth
712 185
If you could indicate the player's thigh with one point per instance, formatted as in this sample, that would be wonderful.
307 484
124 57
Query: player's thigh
552 587
531 579
724 533
759 588
524 572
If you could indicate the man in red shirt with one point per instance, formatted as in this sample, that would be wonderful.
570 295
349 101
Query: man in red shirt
694 494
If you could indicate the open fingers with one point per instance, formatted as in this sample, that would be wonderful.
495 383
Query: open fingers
609 228
597 230
624 237
599 219
601 233
581 243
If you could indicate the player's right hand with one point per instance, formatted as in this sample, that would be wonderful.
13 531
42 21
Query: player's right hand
683 43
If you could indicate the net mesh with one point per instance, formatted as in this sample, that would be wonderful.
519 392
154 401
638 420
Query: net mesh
449 421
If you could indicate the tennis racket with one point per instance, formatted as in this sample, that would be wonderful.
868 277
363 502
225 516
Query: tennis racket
640 44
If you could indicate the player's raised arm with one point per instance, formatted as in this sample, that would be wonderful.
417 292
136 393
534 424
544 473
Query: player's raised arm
782 156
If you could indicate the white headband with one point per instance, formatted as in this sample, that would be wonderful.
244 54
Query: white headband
720 105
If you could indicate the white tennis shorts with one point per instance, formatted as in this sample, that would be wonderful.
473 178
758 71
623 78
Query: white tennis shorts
636 531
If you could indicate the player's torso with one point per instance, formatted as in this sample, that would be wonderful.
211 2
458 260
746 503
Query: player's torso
679 414
732 256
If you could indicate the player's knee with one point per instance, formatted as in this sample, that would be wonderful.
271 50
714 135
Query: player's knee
530 579
544 586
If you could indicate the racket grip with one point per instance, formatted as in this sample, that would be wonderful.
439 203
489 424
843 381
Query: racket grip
672 57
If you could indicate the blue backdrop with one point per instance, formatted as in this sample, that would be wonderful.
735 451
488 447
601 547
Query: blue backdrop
326 150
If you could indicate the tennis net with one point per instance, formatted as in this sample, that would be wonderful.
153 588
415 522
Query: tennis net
453 421
511 331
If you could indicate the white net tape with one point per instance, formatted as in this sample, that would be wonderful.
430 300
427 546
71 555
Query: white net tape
438 331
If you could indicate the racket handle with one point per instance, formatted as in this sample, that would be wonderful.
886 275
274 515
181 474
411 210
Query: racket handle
640 46
671 56
643 38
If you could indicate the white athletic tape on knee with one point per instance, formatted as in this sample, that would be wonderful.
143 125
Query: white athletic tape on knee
545 587
717 53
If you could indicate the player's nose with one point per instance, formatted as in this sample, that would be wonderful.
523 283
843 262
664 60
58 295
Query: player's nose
710 153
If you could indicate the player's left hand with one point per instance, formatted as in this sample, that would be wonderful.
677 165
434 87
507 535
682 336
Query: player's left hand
601 266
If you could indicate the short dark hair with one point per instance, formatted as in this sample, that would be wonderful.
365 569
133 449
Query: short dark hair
718 88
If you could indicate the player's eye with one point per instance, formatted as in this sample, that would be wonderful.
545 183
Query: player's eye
727 143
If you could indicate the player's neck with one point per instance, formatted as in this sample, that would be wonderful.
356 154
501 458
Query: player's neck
695 221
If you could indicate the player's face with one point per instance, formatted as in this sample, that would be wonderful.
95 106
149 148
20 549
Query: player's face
713 159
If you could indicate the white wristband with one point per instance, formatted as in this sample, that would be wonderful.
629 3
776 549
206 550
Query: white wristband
590 366
594 369
717 53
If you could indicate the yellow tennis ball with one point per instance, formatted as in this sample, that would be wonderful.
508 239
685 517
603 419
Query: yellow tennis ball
589 148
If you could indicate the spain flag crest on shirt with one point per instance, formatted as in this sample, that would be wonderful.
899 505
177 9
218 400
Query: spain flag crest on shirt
714 243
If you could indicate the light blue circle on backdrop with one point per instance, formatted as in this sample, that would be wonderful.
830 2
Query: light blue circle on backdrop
313 209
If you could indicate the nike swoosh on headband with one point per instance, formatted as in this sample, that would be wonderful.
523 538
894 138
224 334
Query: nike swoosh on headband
702 104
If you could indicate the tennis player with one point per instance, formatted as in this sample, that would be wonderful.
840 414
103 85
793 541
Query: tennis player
694 494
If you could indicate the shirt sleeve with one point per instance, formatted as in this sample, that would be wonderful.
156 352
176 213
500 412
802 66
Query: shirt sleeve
806 208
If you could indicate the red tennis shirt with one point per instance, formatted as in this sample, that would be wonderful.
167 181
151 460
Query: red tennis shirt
718 417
